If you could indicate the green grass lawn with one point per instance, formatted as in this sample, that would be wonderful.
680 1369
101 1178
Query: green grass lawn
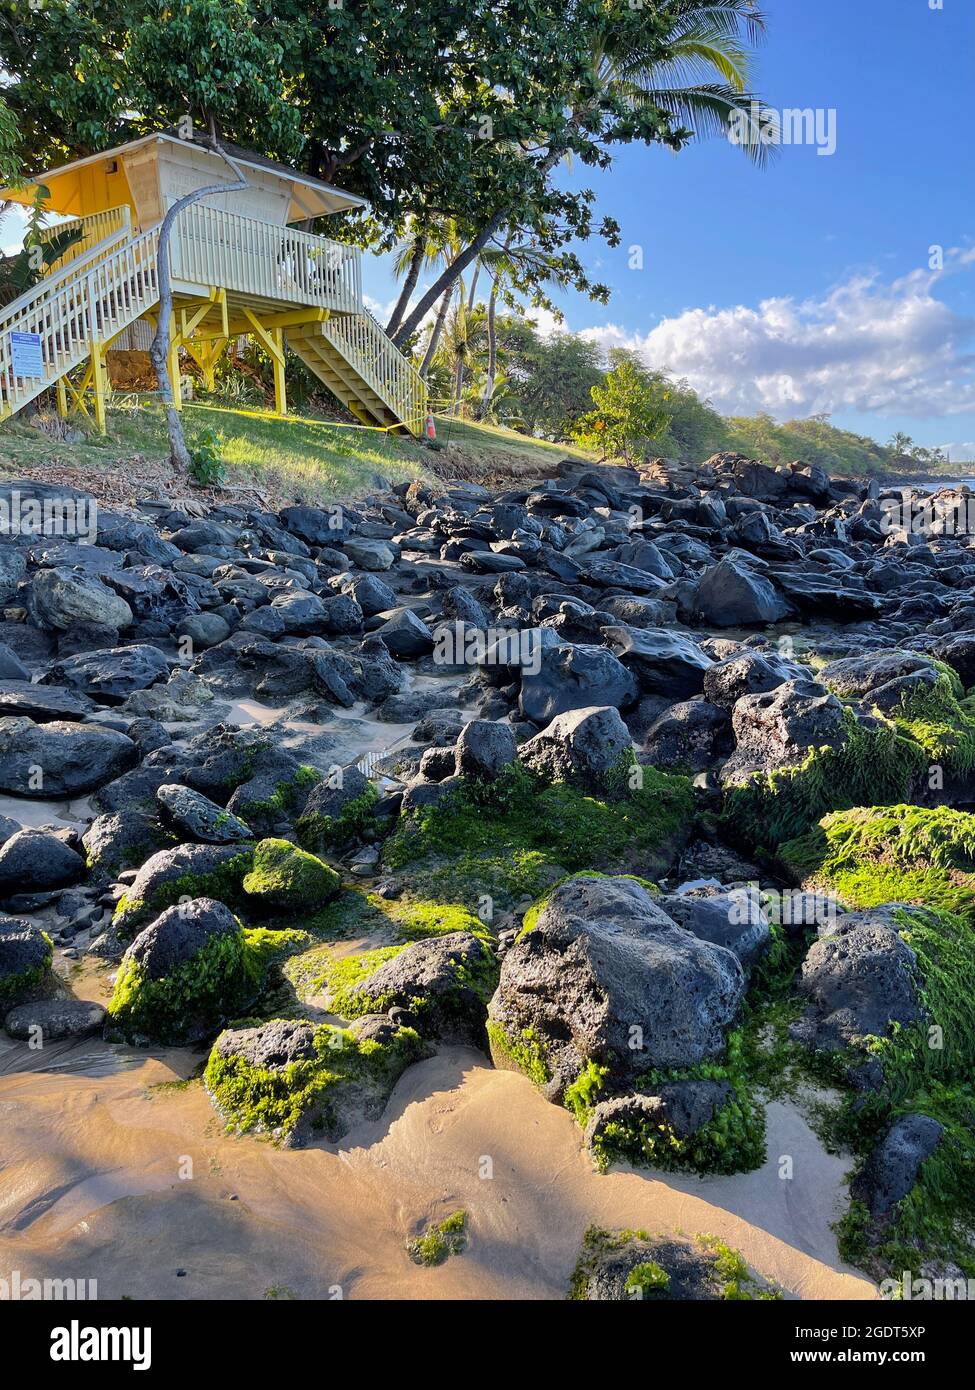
294 457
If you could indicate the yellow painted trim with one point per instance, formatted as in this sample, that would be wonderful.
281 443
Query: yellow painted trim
266 337
99 378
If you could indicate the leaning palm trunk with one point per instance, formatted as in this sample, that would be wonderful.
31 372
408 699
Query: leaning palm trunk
435 336
179 455
409 285
492 337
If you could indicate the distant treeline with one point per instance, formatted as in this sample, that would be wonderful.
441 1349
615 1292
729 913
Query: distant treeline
544 387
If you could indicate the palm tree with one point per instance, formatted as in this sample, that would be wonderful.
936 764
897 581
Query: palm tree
702 85
706 79
424 246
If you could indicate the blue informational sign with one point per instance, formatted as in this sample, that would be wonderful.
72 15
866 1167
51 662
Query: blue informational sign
25 349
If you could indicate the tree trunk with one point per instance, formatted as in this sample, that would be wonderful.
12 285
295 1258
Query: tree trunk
448 278
461 345
179 455
434 342
461 262
492 337
409 285
470 297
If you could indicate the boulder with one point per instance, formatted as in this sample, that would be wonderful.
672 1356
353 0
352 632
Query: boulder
406 636
601 965
587 747
195 815
860 980
690 736
732 594
442 983
58 598
54 1020
735 920
110 676
484 749
574 678
748 673
72 758
664 663
42 703
25 958
778 728
893 1165
37 859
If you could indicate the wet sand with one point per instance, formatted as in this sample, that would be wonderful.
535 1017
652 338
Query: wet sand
103 1177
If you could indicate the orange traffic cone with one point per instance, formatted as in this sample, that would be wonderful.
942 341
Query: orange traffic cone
431 429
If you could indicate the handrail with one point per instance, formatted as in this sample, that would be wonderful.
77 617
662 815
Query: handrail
97 229
93 305
214 247
365 346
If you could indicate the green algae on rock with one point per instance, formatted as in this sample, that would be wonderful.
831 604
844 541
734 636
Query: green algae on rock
621 1266
189 972
283 876
439 1241
520 832
870 855
25 960
298 1083
186 871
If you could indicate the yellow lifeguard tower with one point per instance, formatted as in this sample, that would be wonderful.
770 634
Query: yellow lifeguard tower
238 267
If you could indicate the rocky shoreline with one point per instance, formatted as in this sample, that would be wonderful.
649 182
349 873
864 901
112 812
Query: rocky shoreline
652 787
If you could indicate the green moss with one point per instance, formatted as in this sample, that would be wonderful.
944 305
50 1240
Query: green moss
195 998
524 1052
648 1280
283 875
580 1095
318 833
487 826
13 988
735 1281
309 1092
927 1069
940 721
284 798
223 883
448 1237
340 980
868 856
874 767
732 1142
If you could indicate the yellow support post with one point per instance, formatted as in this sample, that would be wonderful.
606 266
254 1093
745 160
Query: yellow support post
273 340
280 389
62 397
99 381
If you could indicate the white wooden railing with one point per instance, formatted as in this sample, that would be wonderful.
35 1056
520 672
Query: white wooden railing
365 346
213 247
101 229
91 300
109 279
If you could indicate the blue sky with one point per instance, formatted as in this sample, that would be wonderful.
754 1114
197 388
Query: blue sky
835 247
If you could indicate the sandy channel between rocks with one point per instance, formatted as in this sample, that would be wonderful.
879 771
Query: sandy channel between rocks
91 1188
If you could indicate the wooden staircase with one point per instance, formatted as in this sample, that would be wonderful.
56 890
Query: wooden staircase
351 354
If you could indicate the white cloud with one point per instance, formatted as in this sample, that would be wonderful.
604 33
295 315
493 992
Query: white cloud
868 345
960 453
